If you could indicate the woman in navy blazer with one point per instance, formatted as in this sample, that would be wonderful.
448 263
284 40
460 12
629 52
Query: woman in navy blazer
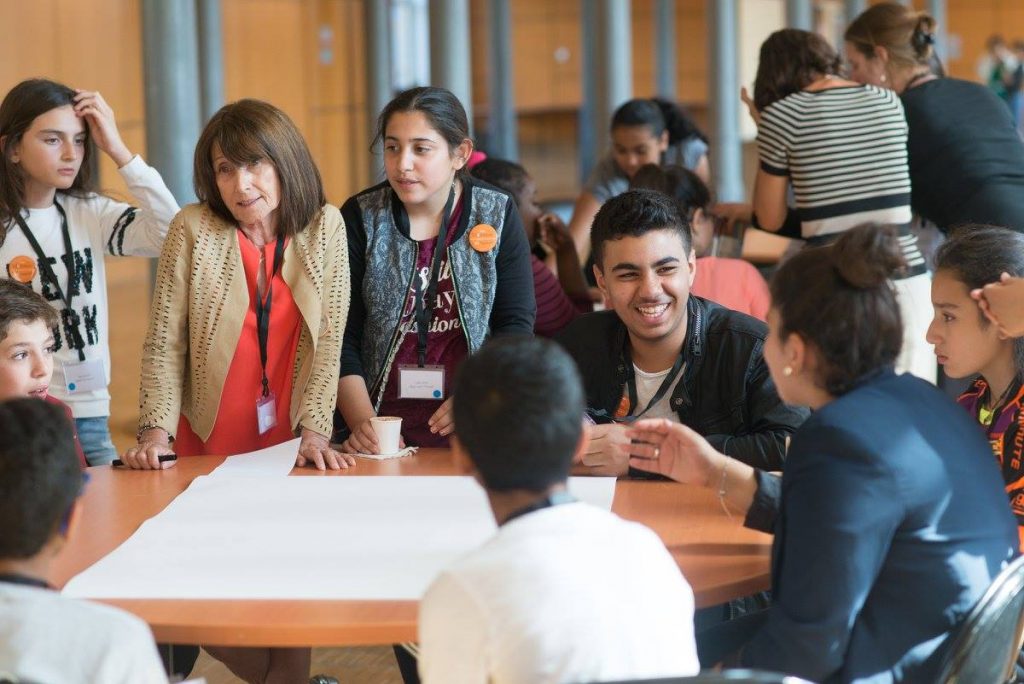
890 519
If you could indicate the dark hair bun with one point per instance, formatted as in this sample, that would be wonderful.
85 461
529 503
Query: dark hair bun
867 256
923 37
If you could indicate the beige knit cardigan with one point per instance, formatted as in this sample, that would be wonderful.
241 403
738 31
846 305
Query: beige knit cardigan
199 307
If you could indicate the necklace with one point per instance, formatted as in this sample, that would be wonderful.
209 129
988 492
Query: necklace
918 78
987 413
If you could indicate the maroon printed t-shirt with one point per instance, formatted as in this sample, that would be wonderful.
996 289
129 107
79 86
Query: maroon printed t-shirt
446 344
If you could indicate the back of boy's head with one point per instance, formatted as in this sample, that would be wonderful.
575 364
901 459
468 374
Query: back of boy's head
635 213
519 412
39 475
503 174
22 304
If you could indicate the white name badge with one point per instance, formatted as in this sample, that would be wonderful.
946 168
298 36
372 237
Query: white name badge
421 383
266 412
86 376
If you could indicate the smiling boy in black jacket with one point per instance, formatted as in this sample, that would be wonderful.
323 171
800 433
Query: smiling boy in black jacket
662 353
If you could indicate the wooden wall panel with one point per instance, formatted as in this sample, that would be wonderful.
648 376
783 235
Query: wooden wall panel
308 58
266 54
24 53
973 21
692 52
645 76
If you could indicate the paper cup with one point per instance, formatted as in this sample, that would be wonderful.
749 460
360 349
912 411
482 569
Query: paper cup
389 431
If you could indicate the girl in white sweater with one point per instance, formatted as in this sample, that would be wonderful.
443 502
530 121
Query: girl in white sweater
55 231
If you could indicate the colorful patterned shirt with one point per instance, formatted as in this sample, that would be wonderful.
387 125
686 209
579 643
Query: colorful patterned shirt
1005 431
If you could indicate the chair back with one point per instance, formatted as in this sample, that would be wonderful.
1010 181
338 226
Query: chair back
986 644
738 676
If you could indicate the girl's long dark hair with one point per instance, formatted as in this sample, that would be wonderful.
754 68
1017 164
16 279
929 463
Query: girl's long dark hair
19 109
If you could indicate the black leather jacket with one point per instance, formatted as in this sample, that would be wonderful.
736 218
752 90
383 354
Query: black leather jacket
725 394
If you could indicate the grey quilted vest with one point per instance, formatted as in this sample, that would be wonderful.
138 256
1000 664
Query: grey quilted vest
391 263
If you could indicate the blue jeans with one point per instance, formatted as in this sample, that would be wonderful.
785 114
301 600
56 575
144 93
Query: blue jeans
94 436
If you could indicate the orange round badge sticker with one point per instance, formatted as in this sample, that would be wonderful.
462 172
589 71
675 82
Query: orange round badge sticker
22 269
483 237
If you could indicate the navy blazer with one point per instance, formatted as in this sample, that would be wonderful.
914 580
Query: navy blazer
893 522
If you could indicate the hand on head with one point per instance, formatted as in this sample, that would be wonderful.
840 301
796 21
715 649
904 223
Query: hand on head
98 115
1001 304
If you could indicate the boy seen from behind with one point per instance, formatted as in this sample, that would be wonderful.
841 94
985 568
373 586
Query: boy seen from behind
564 592
44 637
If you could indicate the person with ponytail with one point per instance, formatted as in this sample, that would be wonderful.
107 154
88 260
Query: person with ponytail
966 158
889 520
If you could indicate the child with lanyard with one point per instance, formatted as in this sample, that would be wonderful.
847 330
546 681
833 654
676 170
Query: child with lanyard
968 344
439 262
55 231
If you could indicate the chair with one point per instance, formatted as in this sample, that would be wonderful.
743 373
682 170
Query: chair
986 644
724 677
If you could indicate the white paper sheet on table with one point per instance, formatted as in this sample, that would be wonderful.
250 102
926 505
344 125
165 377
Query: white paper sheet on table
276 460
317 538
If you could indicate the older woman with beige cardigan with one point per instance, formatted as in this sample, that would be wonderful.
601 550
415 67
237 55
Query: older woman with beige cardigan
250 304
245 332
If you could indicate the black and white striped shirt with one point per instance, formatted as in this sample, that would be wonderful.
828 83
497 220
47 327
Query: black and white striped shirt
844 150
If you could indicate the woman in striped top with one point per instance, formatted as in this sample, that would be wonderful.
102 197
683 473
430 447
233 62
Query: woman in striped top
842 148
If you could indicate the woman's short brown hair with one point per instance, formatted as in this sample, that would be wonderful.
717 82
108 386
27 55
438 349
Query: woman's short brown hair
907 35
252 130
790 60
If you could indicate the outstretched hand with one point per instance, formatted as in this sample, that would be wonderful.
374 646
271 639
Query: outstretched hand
673 450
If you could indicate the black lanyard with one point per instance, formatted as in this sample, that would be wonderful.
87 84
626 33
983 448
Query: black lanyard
44 261
666 384
425 303
263 311
559 497
25 580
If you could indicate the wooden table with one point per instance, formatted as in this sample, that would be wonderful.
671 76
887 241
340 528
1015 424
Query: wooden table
720 558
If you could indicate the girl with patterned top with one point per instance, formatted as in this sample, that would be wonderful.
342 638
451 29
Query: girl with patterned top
55 231
968 344
439 262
